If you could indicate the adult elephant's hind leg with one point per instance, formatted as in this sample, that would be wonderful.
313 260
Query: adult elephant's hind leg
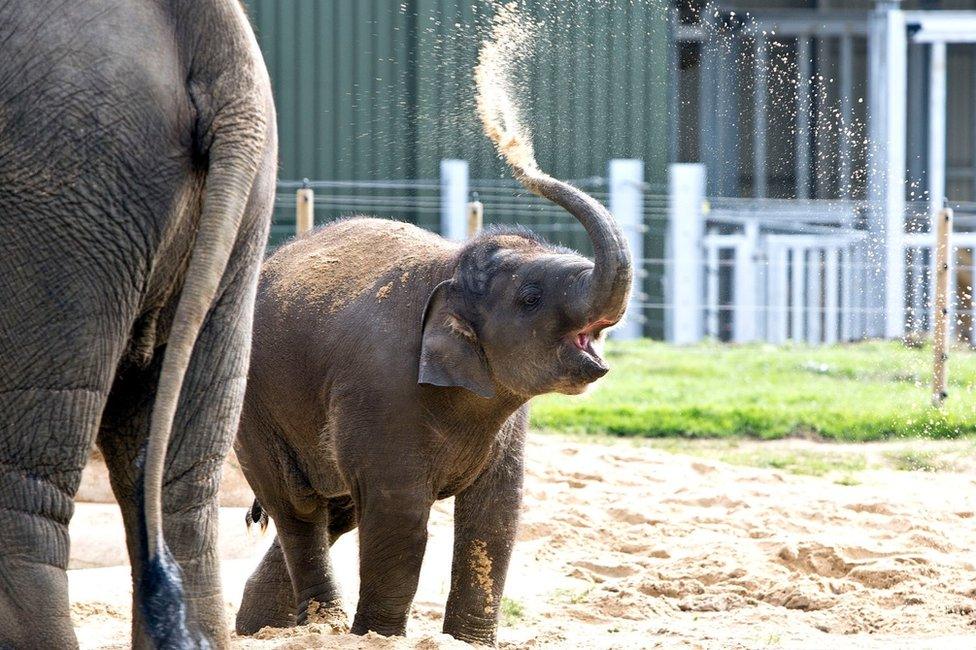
52 392
58 350
44 440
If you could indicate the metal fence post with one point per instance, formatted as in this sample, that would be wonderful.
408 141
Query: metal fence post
814 299
847 302
778 310
627 206
831 300
454 199
686 224
712 307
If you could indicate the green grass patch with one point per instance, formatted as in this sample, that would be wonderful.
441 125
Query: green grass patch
914 460
806 462
512 611
866 391
562 595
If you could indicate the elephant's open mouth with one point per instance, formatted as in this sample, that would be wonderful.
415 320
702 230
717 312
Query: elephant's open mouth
584 341
593 364
585 338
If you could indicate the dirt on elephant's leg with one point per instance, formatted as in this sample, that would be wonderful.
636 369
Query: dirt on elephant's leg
485 525
305 546
268 600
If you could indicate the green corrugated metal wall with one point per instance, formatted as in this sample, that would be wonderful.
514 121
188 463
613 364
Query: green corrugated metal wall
382 89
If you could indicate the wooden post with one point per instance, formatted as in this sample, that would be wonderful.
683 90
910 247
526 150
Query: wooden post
943 229
476 216
304 210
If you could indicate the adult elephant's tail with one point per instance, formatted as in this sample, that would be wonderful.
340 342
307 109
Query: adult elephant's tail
235 113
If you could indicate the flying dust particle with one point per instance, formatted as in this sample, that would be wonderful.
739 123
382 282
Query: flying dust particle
509 43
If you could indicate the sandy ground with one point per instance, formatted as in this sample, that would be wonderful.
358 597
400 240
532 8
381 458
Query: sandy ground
632 547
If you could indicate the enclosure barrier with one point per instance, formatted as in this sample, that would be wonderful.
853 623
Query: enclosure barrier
456 207
803 271
763 269
807 66
740 270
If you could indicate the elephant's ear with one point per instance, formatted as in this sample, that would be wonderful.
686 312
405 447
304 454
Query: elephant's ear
450 354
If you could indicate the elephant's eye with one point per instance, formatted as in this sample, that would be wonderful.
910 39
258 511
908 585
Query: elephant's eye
530 299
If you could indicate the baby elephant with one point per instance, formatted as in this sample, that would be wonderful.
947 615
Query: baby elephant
391 368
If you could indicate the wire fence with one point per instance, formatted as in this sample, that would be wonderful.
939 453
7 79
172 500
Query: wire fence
771 269
505 203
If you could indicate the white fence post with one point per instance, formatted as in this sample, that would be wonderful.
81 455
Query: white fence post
686 223
887 47
776 277
627 206
713 307
798 290
454 199
847 262
831 300
746 289
814 299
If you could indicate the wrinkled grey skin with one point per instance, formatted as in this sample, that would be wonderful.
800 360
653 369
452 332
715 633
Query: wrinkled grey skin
403 378
137 166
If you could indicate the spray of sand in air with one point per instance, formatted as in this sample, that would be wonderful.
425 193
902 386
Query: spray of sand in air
508 45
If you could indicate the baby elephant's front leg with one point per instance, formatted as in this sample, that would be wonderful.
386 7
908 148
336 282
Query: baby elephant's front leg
485 526
392 539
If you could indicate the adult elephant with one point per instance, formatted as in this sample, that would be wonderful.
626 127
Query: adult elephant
392 368
137 166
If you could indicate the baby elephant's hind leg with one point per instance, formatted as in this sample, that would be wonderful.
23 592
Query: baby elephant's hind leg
269 600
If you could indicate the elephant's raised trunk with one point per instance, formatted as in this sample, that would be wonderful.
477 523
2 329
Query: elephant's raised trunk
604 294
608 289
